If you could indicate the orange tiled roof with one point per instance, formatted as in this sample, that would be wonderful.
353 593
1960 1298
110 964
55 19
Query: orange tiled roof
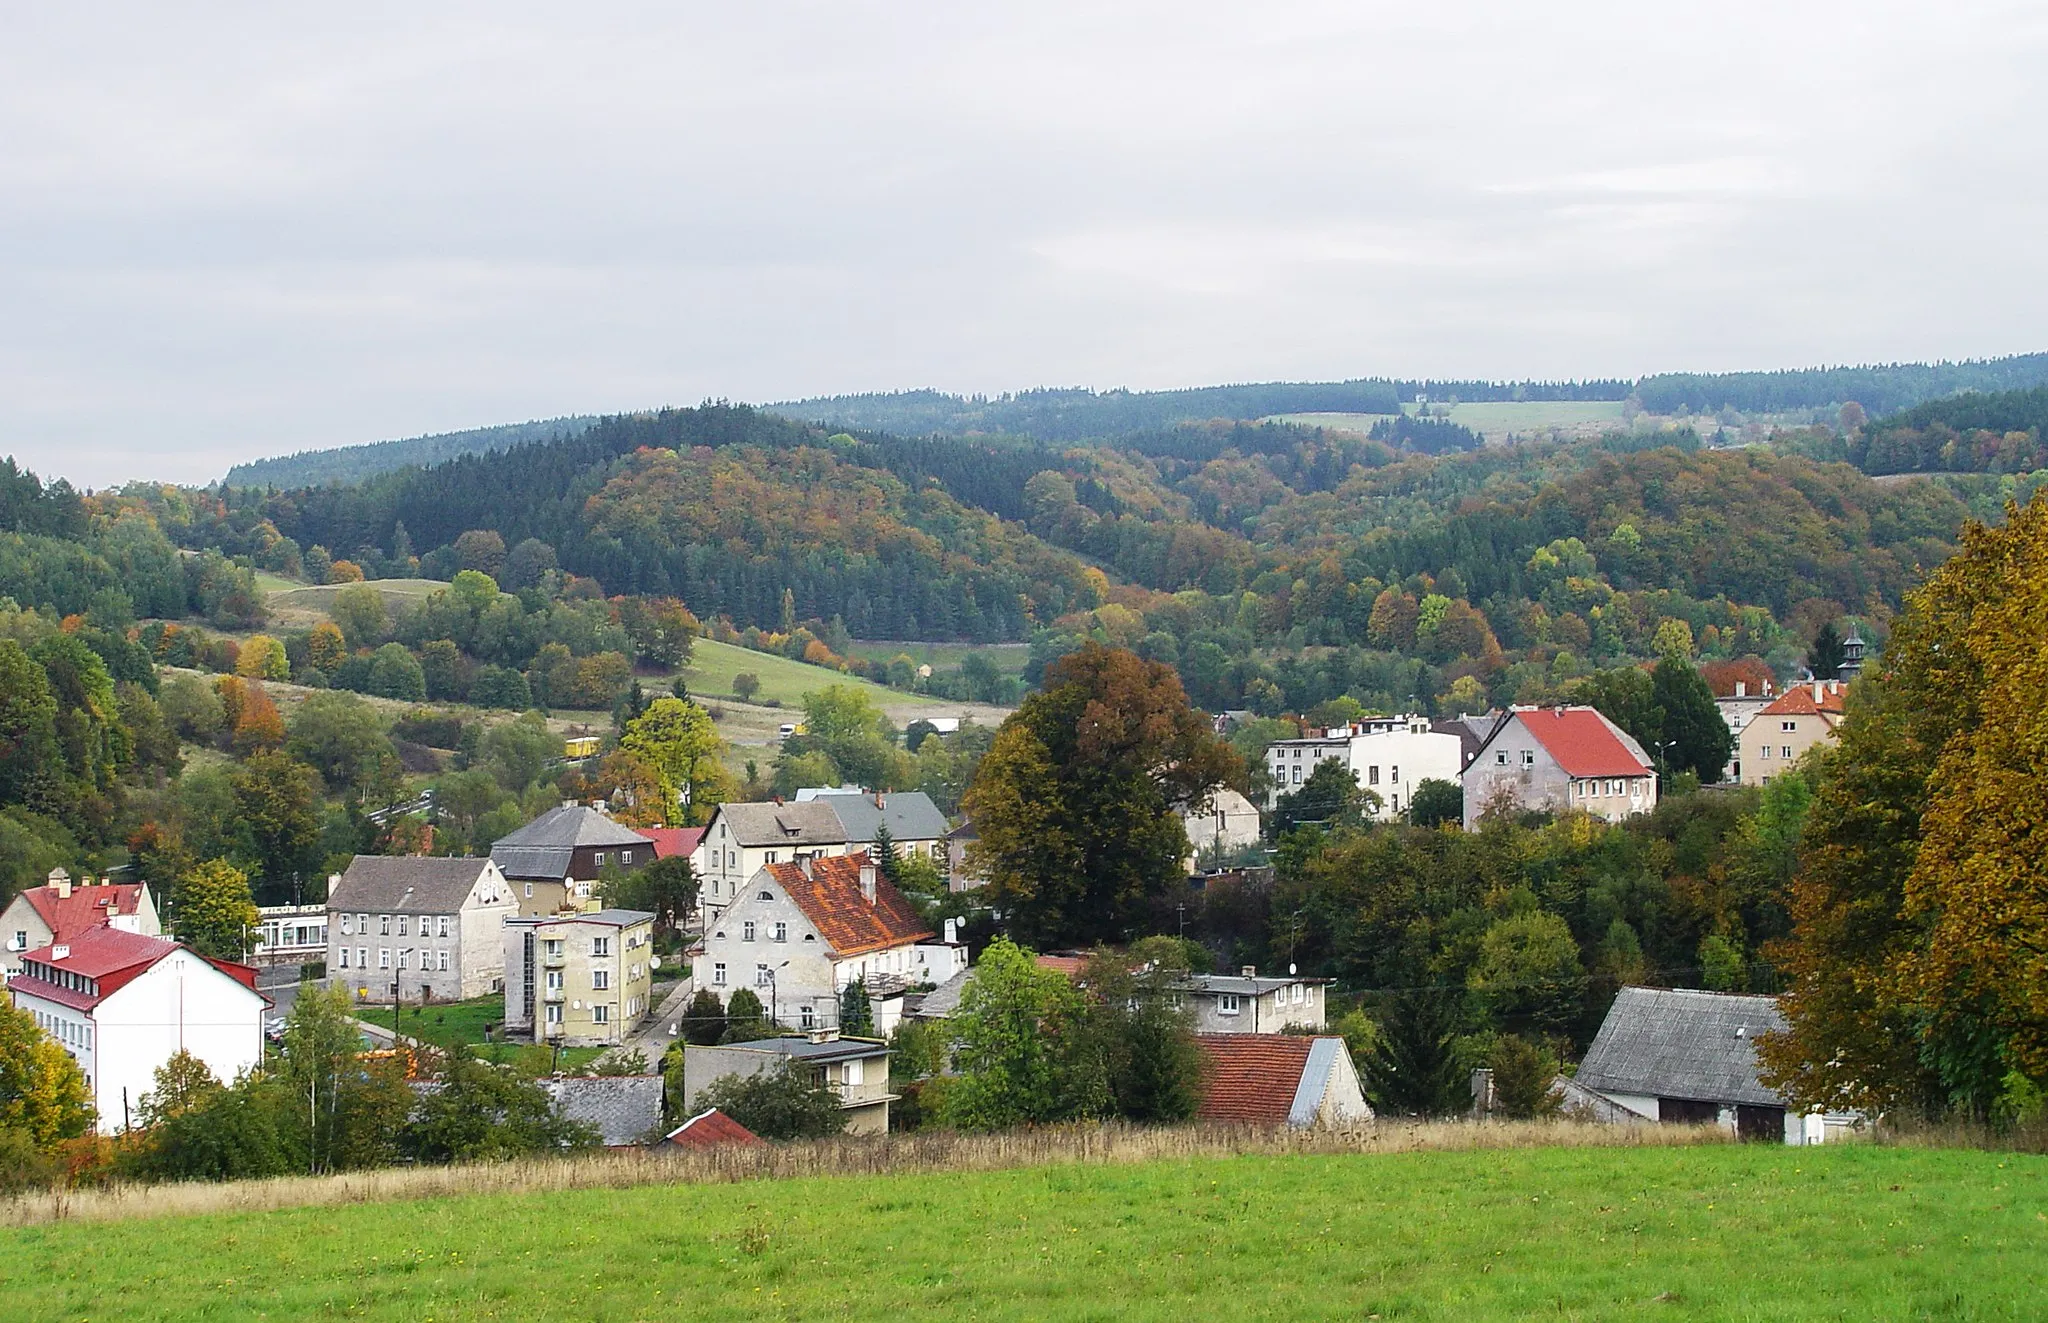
86 906
1798 700
710 1130
831 898
1251 1077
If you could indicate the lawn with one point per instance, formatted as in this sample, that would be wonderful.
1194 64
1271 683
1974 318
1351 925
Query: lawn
713 665
1010 658
1725 1232
1494 420
455 1023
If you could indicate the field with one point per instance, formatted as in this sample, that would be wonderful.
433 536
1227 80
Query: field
1009 658
453 1023
295 605
1717 1232
713 665
1495 420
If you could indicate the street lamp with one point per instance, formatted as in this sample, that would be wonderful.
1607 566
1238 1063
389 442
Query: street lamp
774 995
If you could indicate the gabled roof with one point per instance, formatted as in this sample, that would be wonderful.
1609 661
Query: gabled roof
809 823
830 897
86 906
1583 741
529 863
623 1109
570 826
113 959
395 884
673 842
909 815
710 1130
1264 1079
1668 1043
1798 700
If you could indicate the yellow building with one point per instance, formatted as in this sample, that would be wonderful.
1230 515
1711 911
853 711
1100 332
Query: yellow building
1779 736
581 980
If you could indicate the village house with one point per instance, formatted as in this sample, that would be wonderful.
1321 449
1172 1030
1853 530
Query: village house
1277 1079
1244 1003
710 1129
419 927
1674 1055
805 931
60 910
1560 759
1779 736
857 1069
553 860
588 977
916 827
1220 824
122 1004
1389 756
624 1111
742 839
958 876
291 934
1738 708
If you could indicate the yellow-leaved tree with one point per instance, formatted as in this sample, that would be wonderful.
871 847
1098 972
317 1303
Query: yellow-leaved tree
42 1091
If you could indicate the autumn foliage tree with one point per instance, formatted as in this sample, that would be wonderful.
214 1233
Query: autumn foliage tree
1920 908
1075 800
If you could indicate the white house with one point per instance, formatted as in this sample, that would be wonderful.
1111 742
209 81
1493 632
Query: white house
431 927
1244 1003
123 1004
1389 756
1223 821
742 839
801 932
1280 1079
1560 759
60 910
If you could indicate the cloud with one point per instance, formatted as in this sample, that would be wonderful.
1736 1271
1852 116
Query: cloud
238 230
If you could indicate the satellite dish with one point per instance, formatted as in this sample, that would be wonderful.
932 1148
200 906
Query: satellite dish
1290 969
654 962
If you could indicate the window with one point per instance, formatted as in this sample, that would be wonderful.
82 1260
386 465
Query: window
625 857
718 974
404 955
1785 752
1788 725
1297 776
769 857
730 860
383 925
444 962
383 957
806 1017
855 1071
781 932
551 947
1372 775
362 957
554 982
767 895
600 946
601 1013
762 976
554 1012
1394 774
344 926
600 979
443 932
363 924
344 957
1528 757
1500 757
529 891
403 924
1227 1004
747 931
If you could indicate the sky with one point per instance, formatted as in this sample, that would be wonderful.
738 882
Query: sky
230 231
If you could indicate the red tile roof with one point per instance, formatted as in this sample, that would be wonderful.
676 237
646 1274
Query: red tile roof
1251 1077
1798 700
710 1130
1584 742
831 898
85 907
107 955
1071 966
673 842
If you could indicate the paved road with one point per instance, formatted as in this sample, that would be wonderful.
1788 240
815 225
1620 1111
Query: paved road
654 1038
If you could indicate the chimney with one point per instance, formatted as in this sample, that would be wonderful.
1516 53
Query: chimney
824 1035
881 800
568 803
952 931
60 882
1818 687
805 864
1249 971
867 883
1742 689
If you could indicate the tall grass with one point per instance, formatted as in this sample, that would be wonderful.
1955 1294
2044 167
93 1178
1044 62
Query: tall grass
919 1152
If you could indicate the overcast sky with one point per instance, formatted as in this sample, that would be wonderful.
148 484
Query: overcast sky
229 231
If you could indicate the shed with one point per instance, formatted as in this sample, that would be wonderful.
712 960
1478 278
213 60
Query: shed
623 1109
712 1129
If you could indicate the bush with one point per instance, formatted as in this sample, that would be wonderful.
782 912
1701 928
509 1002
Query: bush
23 1166
786 1103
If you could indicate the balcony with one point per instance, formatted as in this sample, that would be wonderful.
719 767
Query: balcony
552 959
552 994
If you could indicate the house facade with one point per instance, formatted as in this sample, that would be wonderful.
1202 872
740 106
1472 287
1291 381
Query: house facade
916 827
581 980
553 860
60 910
1560 759
122 1004
742 839
1389 756
1277 1079
434 928
1244 1003
802 932
857 1069
1221 823
1779 736
1737 710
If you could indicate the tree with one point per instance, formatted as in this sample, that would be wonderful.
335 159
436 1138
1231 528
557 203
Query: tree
1141 1032
856 1011
29 755
745 685
1416 1070
358 610
342 737
326 649
483 1112
676 739
788 1102
396 673
666 888
1330 798
1523 1076
517 752
1824 658
214 911
481 549
1018 1032
180 1084
1528 973
746 1018
528 564
277 799
1695 737
1627 697
1075 800
258 724
843 723
704 1019
42 1091
1437 802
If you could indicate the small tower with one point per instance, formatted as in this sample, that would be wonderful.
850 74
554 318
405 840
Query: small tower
1852 655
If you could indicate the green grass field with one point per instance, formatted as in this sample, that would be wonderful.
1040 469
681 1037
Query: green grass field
713 665
1493 420
1010 658
1738 1233
455 1023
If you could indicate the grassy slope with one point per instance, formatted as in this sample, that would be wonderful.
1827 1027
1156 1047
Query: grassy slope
1010 658
713 665
447 1024
1751 1233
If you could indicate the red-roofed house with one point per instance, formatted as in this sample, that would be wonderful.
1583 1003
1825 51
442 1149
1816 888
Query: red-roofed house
1779 736
712 1129
123 1004
1277 1079
1560 759
674 842
59 911
800 932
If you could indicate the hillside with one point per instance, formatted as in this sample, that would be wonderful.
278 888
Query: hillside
310 468
1686 1233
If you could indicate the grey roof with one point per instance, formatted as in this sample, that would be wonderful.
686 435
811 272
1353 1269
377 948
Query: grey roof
395 884
803 1049
811 823
1242 986
1665 1043
570 826
610 918
909 815
533 862
943 1002
623 1109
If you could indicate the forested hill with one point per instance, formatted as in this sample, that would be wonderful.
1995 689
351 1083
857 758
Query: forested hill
354 463
1880 389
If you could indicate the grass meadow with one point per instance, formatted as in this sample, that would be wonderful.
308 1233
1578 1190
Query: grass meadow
1286 1229
1494 420
455 1023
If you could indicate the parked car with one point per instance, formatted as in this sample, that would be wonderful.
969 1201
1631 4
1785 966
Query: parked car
785 730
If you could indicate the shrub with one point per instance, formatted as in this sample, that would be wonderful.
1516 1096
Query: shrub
785 1103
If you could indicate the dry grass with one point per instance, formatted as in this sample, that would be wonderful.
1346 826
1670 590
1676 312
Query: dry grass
921 1152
